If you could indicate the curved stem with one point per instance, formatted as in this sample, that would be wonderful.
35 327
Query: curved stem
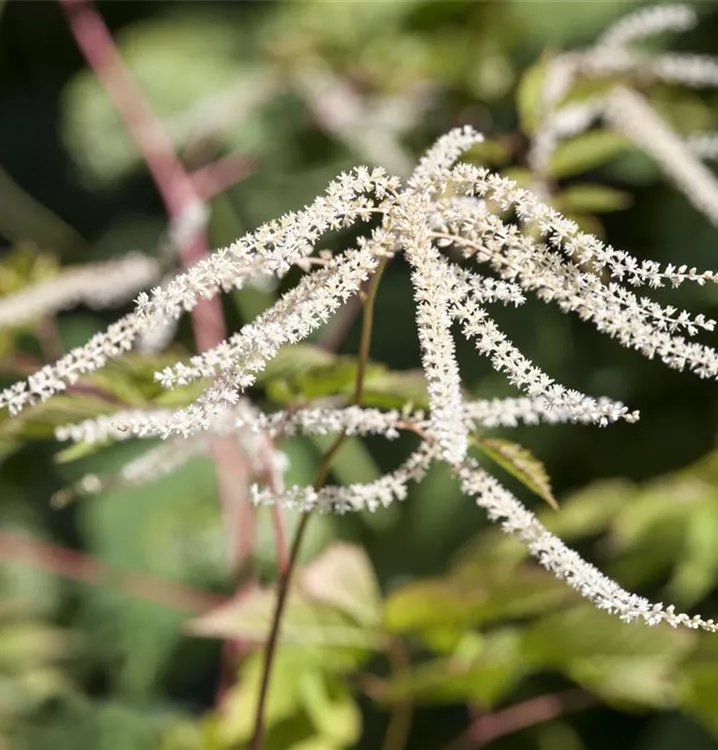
319 481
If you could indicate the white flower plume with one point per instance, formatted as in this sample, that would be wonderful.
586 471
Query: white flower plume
442 208
97 285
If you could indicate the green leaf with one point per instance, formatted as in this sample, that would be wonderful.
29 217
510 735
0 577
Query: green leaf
586 632
151 529
39 421
306 623
306 372
353 464
592 198
177 61
626 664
585 152
342 577
474 594
484 678
328 702
283 698
520 463
696 572
530 93
699 691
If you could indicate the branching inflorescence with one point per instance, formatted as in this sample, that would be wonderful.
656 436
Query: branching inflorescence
512 244
621 73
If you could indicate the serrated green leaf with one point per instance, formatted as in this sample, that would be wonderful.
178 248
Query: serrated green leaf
585 152
520 463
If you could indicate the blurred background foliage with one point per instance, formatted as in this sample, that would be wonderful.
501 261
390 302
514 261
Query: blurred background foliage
419 618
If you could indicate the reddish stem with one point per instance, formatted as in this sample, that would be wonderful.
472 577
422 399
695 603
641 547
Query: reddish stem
215 178
180 196
491 726
99 49
77 566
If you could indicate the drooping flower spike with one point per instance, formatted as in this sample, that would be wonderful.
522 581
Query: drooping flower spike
442 207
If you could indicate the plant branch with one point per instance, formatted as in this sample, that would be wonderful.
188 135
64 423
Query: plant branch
180 196
490 726
399 727
185 206
319 481
77 566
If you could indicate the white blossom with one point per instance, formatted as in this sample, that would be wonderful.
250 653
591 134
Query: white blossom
563 562
631 114
352 497
647 22
97 285
442 209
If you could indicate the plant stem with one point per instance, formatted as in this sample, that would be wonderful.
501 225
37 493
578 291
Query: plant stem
69 563
181 195
319 481
399 727
490 726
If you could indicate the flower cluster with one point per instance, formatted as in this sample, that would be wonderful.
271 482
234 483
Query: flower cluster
621 106
512 245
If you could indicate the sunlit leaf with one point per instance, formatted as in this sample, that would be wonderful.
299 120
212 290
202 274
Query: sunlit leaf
585 152
342 576
529 96
592 198
473 594
482 679
520 463
305 623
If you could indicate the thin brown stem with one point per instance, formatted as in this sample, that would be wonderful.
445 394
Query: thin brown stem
273 640
319 481
367 328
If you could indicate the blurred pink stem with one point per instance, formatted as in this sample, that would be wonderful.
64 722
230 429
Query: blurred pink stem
180 194
77 566
491 726
215 178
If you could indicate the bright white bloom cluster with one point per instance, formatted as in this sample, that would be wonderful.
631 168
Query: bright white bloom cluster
631 115
647 22
563 562
626 110
97 285
353 497
442 209
273 248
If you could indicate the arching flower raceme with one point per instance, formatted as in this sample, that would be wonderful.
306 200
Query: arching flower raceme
513 245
